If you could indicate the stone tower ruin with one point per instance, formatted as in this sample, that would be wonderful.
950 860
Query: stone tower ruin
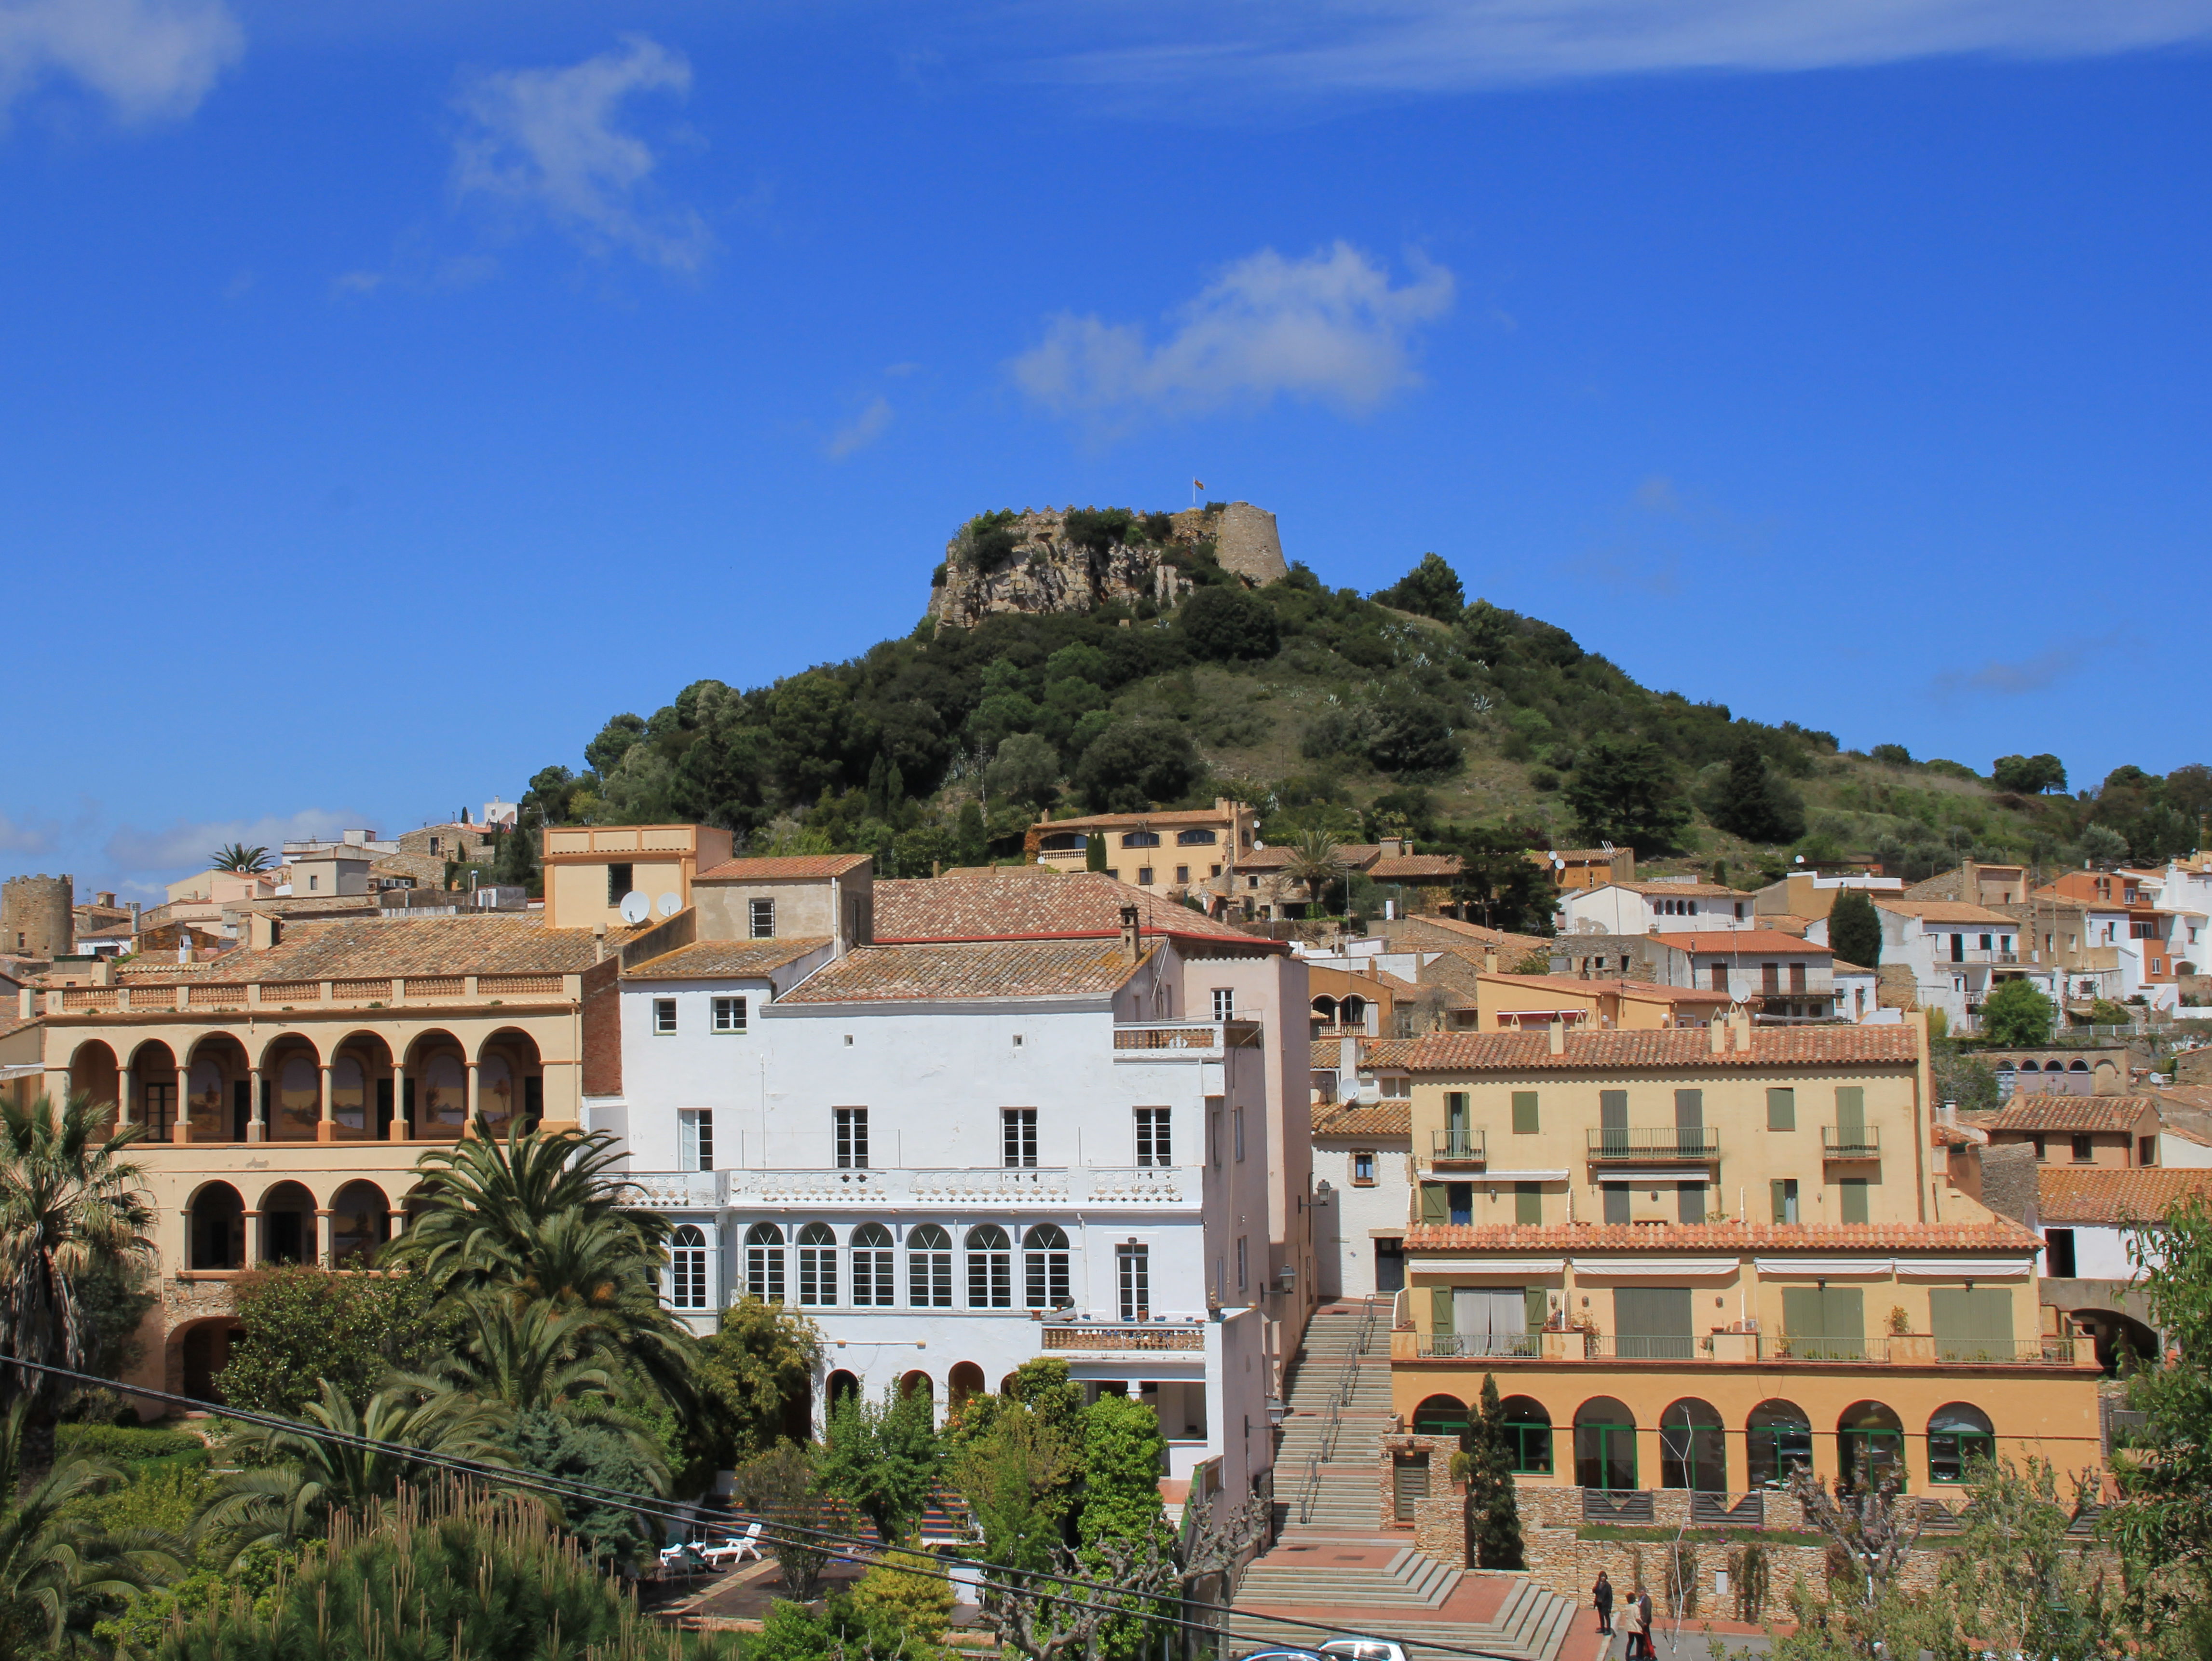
35 920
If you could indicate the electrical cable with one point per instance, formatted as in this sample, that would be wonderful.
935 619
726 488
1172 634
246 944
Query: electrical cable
836 1546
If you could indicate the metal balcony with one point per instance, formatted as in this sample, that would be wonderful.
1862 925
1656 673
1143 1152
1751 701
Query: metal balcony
1462 1146
1620 1146
1858 1142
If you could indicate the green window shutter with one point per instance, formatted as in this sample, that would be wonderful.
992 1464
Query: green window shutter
1778 1190
1616 1201
1844 1310
1440 1309
1850 1113
1963 1319
1528 1204
1525 1120
1801 1312
1782 1110
1690 1202
1539 1308
1689 1109
1435 1203
1853 1199
1613 1109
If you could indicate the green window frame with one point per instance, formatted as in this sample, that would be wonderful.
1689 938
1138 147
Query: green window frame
1851 1200
1781 1108
1526 1121
1528 1204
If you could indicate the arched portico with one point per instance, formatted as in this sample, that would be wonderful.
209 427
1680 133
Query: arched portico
153 1086
215 1228
510 1080
95 1072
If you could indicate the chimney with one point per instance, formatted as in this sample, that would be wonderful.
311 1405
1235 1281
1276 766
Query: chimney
1714 1027
599 941
1489 962
1557 1036
1129 948
1950 1114
1348 1068
1740 1020
105 900
263 931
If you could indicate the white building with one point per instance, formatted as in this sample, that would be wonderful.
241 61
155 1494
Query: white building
1955 953
1637 908
1036 1114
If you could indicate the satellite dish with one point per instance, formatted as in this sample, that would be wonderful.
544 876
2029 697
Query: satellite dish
634 907
668 905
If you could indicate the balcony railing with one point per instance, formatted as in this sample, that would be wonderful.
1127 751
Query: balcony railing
1489 1345
1462 1146
1150 1336
1855 1142
1723 1348
1146 1187
1194 1040
1617 1145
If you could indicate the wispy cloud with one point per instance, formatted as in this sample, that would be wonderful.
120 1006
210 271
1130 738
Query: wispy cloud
1444 46
861 431
26 836
1330 327
185 845
2036 673
1658 530
148 58
547 141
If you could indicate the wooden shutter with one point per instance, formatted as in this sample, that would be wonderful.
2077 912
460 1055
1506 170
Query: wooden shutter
1528 1204
1613 1109
1852 1196
1964 1320
1435 1203
1850 1113
1440 1310
1690 1202
1778 1190
1525 1119
1689 1109
1616 1201
1800 1311
1782 1110
1539 1310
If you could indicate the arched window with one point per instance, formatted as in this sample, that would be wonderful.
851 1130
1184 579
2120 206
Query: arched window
929 1268
1194 839
990 1268
1527 1434
1870 1445
687 1267
1044 1266
871 1267
764 1263
844 1385
1353 1010
1140 839
1692 1451
361 1222
1958 1434
1324 1008
216 1228
1605 1444
1445 1415
1777 1438
817 1264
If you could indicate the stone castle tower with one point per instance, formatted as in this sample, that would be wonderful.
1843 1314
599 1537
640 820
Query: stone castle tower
36 919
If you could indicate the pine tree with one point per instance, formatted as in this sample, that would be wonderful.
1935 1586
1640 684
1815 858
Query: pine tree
1854 930
1753 803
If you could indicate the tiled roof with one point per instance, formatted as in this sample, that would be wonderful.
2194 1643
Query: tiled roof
1373 1052
1675 890
1383 1119
503 943
782 870
2114 1197
722 959
1415 867
1943 911
1945 1136
1770 1046
2052 1110
967 968
1209 816
2000 1234
1510 948
1724 942
1582 855
1842 968
1258 860
1028 902
2186 1095
1648 991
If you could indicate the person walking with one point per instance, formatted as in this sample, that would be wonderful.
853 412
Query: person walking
1643 1623
1601 1596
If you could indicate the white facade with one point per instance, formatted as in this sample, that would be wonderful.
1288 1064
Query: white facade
1363 1198
1955 961
2099 1254
1087 1177
1639 908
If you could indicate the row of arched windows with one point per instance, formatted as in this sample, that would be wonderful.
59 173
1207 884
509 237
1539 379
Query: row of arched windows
810 1268
1778 1438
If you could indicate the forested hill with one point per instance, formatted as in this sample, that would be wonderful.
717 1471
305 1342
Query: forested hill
1409 709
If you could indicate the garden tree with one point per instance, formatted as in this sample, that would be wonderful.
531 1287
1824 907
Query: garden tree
429 1575
305 1325
784 1485
2016 1013
548 1442
1316 862
237 856
1133 764
1431 588
1492 1510
904 1597
70 1211
1752 801
1967 1080
1409 733
1015 1473
2010 1581
1854 929
1501 884
1122 1521
881 1459
2103 846
1624 792
2028 776
2162 1518
752 1372
1228 624
1025 770
515 863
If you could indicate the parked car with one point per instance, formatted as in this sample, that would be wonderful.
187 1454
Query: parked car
1364 1649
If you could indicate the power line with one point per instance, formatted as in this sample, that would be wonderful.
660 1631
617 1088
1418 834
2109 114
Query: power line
836 1546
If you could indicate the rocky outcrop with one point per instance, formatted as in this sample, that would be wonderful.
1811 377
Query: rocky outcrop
1036 562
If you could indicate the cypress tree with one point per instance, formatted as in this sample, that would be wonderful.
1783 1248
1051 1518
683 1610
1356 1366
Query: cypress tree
1094 851
1493 1508
1854 930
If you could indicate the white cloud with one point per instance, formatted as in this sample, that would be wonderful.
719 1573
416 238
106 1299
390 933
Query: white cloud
1441 45
861 431
546 140
2021 677
148 58
19 837
1329 327
185 845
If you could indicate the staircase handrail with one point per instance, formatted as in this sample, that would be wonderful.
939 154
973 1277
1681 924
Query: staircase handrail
1347 1384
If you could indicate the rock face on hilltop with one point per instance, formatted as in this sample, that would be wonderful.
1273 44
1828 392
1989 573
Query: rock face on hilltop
1078 559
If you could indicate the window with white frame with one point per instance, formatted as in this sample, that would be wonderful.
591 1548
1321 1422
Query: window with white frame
663 1016
990 1268
729 1014
761 916
929 1268
1044 1264
764 1263
694 1139
689 1268
1155 1144
817 1265
873 1285
1019 1136
1132 1271
1225 1003
852 1138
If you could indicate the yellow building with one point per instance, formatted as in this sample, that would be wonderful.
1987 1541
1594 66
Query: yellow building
1693 1258
1526 1002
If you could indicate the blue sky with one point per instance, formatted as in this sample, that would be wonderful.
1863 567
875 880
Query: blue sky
393 393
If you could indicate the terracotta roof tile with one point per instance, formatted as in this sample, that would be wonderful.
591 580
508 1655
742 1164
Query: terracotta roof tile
1373 1052
2111 1197
1383 1119
1946 1135
2000 1234
955 970
1944 911
1028 902
1800 1046
1649 991
1510 948
1721 942
1415 867
1677 890
723 960
2050 1110
784 869
500 943
1136 821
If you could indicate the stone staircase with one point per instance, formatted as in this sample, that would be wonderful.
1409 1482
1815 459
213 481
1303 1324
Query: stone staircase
1340 1495
1528 1625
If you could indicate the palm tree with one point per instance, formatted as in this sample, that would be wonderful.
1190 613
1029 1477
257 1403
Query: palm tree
525 1356
237 856
1316 862
70 1208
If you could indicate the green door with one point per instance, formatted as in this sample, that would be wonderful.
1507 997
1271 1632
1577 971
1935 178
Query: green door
1613 1122
1971 1324
1850 1119
1690 1123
